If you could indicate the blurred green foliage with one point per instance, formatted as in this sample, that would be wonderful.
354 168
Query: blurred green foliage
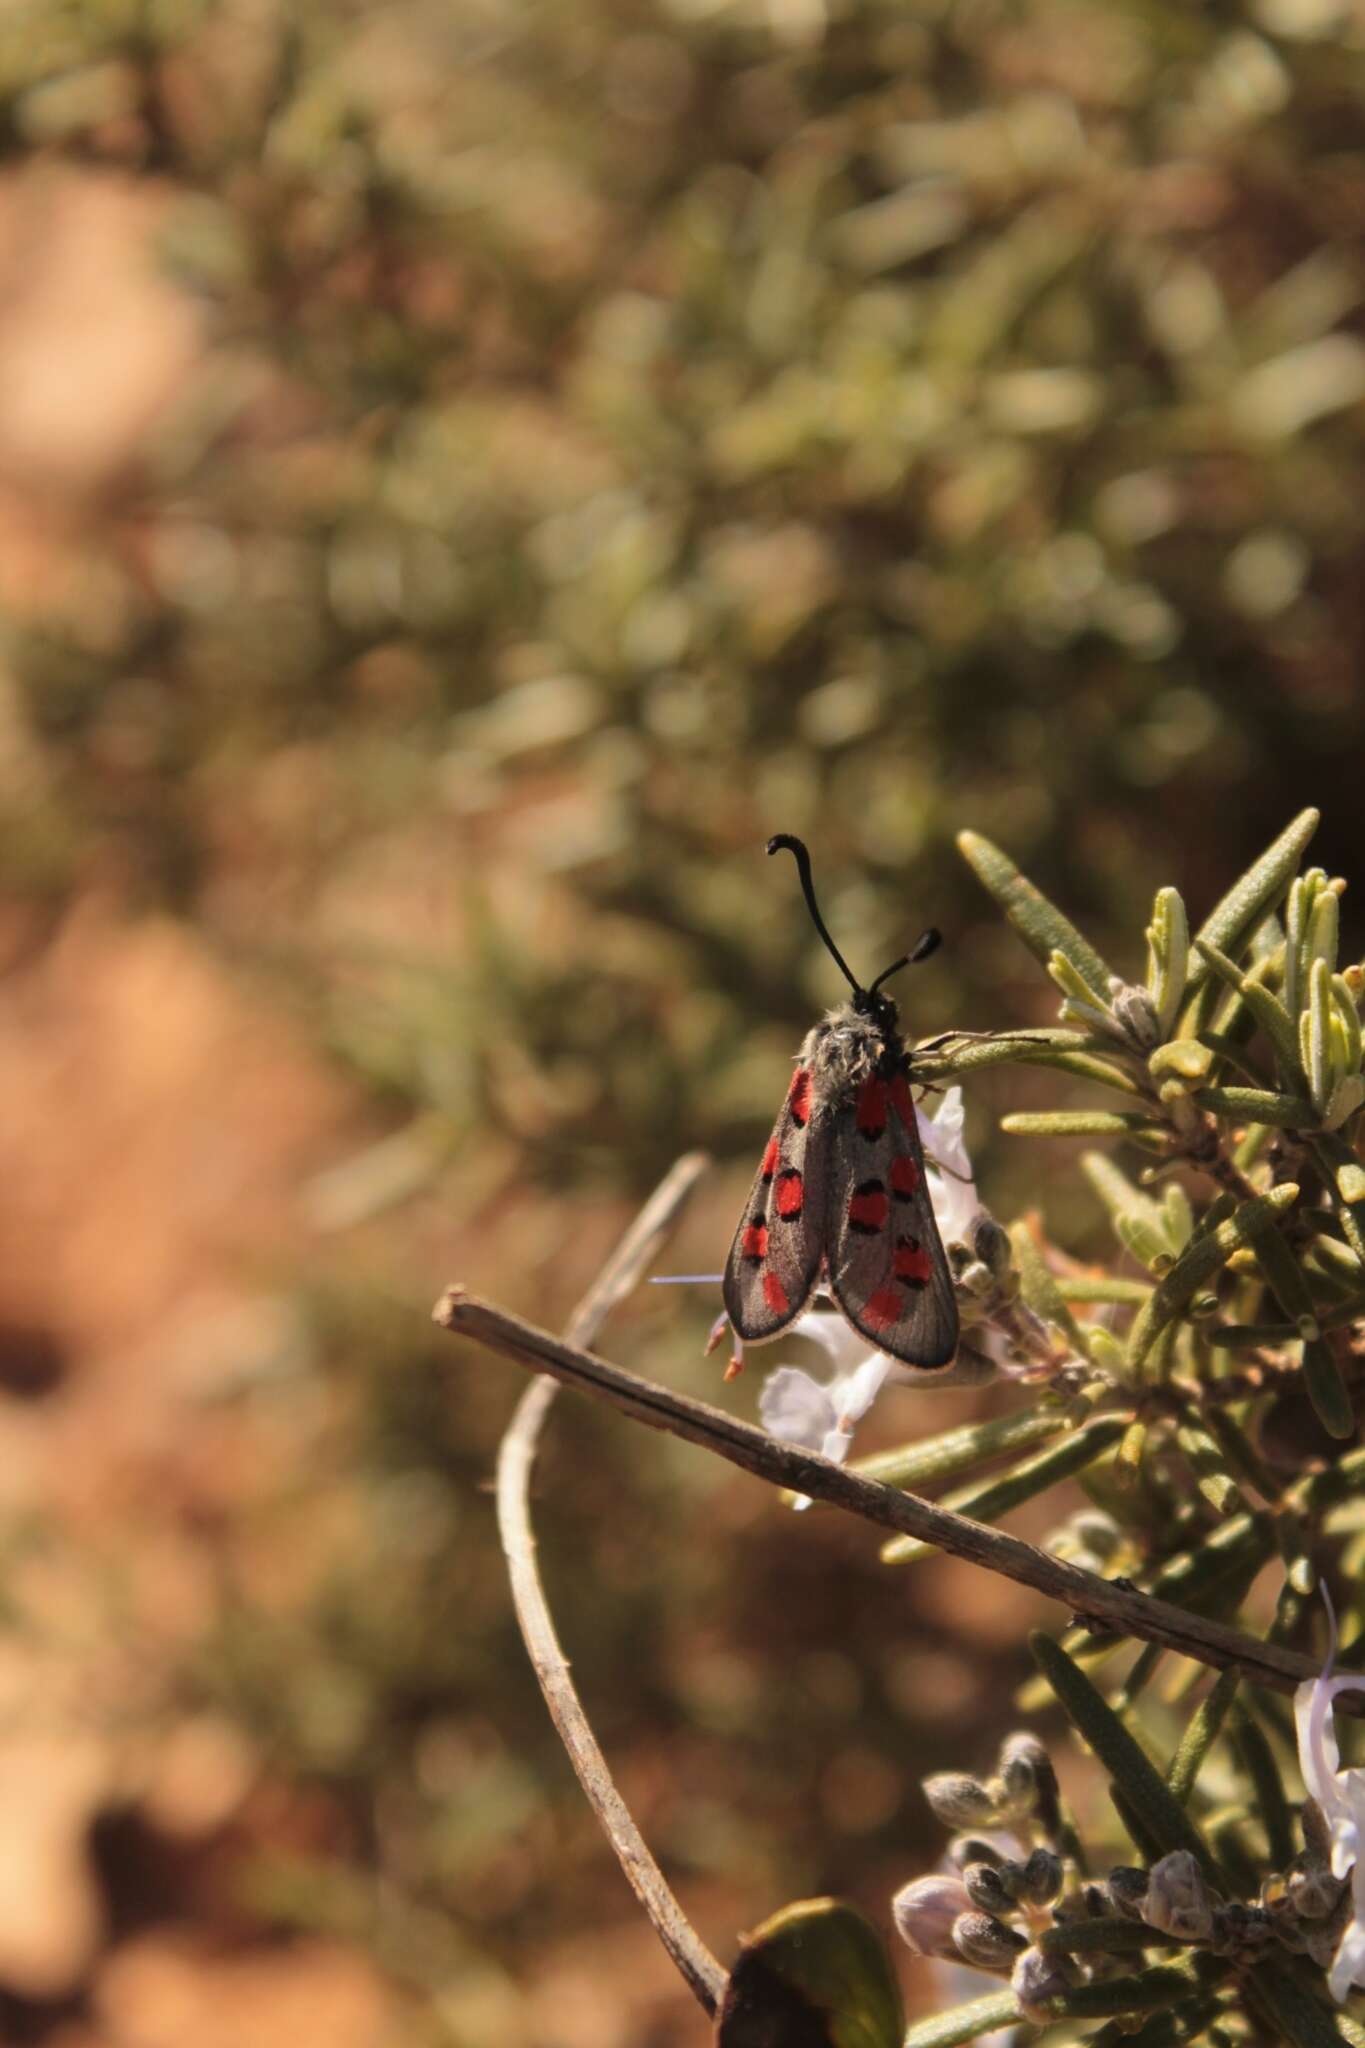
624 430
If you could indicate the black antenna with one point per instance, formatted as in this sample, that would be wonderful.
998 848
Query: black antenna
927 943
796 847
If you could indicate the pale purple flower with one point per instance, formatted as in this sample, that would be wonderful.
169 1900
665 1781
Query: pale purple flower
819 1415
951 1187
924 1911
1341 1796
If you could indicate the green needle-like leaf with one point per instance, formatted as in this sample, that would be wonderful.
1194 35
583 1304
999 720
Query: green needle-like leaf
1137 1219
1099 1937
1148 1991
1132 1450
1201 1735
1040 1290
1278 1026
1282 1270
1034 1476
1240 1546
1315 1037
1231 922
1085 1123
1345 1177
1164 2029
1039 923
958 1450
1302 2022
1182 1059
1209 1466
1102 1287
1322 1376
1249 1225
1327 1389
1241 1454
1042 1293
814 1976
1323 929
1140 1675
1168 956
1263 1105
1127 1764
1066 1052
965 2022
1344 1003
1272 1808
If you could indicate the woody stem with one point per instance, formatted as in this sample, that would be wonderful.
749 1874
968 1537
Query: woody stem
516 1459
1093 1599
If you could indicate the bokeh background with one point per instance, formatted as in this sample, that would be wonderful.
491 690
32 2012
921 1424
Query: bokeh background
469 472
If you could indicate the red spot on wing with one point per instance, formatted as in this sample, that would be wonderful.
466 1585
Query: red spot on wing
775 1294
910 1263
754 1243
883 1309
904 1176
798 1095
869 1211
871 1111
769 1167
902 1101
790 1193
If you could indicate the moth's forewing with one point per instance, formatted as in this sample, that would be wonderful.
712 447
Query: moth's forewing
775 1259
887 1267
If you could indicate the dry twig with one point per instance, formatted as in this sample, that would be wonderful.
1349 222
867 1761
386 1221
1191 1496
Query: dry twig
1102 1602
516 1458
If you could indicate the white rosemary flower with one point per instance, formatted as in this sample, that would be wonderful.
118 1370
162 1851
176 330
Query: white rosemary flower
1340 1794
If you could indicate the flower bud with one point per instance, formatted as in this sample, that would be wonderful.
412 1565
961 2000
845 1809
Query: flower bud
1127 1888
1041 1878
1317 1836
1136 1014
1036 1980
1321 1940
989 1887
1097 1531
991 1244
965 1849
985 1942
1178 1900
924 1911
960 1801
1029 1779
976 1278
1314 1893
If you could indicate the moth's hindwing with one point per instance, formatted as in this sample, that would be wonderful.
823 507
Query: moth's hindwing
887 1267
775 1259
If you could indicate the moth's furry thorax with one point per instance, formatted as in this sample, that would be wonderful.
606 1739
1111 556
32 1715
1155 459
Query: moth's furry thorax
847 1046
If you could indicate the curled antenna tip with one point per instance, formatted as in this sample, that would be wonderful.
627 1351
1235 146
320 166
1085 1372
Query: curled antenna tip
789 843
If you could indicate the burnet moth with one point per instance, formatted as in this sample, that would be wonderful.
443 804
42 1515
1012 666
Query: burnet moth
839 1200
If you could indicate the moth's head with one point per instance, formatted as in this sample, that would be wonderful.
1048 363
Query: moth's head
876 1007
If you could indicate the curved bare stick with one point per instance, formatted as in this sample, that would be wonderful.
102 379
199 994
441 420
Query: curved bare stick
516 1458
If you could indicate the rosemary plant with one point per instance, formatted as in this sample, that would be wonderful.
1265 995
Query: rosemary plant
1200 1383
